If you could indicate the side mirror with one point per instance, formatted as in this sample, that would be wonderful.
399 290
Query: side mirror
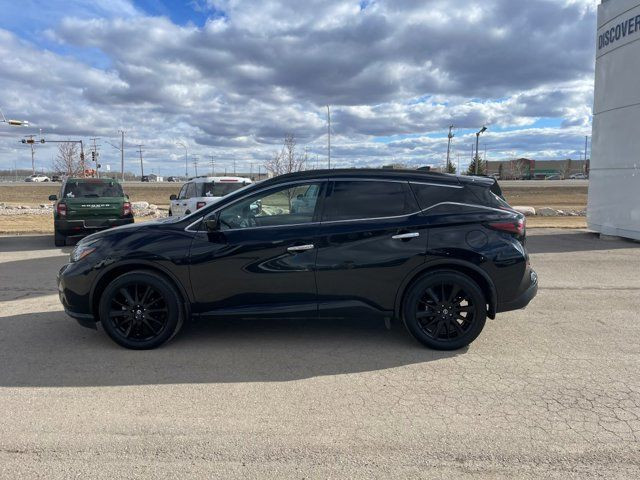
212 224
53 198
172 196
126 196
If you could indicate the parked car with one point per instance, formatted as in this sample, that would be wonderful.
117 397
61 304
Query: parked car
173 179
86 205
144 178
553 177
201 191
56 178
440 253
37 177
579 176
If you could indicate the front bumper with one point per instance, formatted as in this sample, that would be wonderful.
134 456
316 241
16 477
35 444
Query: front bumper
524 298
73 290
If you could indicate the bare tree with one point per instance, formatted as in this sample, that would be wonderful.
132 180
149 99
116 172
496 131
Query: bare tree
67 160
517 168
566 168
286 160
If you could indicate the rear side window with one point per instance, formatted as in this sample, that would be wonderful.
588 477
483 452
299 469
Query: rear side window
92 190
488 197
429 195
353 200
220 189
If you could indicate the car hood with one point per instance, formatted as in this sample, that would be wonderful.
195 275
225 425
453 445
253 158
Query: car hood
129 228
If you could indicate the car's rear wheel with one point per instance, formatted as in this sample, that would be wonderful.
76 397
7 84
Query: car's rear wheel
445 310
59 240
140 310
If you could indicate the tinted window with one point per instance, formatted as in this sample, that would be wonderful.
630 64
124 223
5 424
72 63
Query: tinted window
284 206
430 195
220 189
92 189
350 200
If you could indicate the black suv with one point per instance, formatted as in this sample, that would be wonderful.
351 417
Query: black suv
439 252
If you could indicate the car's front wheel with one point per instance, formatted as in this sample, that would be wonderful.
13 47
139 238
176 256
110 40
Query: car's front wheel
445 310
140 310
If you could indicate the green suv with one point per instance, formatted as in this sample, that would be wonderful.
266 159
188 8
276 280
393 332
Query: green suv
87 205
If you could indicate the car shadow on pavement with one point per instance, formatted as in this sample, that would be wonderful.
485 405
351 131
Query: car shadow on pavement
49 349
574 241
29 243
31 277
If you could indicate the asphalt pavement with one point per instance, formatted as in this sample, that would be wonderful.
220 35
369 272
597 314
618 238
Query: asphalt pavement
552 391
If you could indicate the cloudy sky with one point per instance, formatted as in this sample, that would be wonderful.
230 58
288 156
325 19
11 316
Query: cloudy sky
230 78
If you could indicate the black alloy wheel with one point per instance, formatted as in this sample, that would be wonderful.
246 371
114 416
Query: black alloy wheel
445 310
140 310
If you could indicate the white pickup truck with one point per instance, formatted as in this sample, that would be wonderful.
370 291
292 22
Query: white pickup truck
201 191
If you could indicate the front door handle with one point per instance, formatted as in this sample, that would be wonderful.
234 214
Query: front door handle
404 236
300 248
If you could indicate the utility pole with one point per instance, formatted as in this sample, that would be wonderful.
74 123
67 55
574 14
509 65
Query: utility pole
212 163
141 164
95 155
250 170
449 137
195 164
234 166
586 142
122 155
329 136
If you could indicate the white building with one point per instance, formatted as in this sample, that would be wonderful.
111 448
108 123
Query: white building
614 184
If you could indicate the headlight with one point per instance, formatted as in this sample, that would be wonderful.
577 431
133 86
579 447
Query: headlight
82 250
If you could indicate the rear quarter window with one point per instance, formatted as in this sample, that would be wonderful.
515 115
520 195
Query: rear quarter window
429 195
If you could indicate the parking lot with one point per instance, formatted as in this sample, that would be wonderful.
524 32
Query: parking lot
551 391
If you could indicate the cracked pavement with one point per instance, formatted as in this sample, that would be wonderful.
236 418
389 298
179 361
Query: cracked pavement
552 391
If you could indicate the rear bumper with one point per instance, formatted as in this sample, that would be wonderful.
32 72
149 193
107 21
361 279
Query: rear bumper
524 298
76 227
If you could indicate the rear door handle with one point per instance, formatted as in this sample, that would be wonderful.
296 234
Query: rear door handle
300 248
404 236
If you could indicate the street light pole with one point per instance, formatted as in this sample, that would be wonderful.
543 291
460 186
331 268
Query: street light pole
477 159
15 123
329 136
186 160
450 136
122 154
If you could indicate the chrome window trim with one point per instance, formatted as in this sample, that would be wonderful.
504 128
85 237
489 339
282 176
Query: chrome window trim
482 207
436 184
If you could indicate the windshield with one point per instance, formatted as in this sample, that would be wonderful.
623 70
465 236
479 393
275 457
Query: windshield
220 189
96 190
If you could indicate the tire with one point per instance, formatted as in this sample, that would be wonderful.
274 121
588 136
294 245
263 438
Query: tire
126 313
59 240
170 213
444 310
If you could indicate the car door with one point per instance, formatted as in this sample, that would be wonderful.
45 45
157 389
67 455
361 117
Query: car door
260 260
177 209
188 204
371 236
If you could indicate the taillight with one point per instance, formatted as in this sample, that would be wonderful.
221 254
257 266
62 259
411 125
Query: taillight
200 205
62 209
126 209
517 226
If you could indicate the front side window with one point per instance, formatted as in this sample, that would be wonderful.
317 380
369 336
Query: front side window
357 199
284 206
183 192
191 190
